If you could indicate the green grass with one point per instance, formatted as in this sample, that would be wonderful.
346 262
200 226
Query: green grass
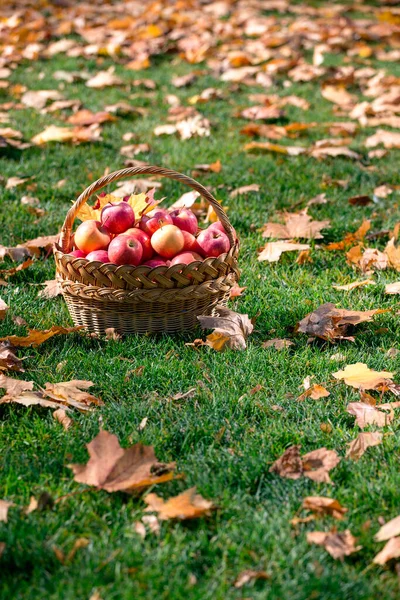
224 439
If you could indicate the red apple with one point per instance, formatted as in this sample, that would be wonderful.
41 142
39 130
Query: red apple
78 254
91 235
144 239
213 242
217 226
155 262
185 219
125 250
100 255
185 258
117 217
155 219
168 241
191 244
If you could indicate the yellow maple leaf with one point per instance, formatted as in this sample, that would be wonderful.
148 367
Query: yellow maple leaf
359 375
138 202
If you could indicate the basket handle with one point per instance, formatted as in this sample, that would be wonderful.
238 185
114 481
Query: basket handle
65 237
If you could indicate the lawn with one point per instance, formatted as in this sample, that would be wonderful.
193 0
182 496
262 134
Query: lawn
225 438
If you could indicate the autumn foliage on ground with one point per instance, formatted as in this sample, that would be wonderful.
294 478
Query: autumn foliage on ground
256 456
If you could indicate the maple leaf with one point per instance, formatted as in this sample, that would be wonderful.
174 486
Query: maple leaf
249 575
13 270
367 414
272 251
329 323
276 148
333 151
70 393
338 544
112 468
61 416
350 238
338 95
103 79
3 309
389 139
236 291
4 506
231 329
388 530
86 117
315 465
358 375
187 505
297 225
245 189
52 289
324 506
393 254
392 288
36 337
363 441
38 99
14 387
214 167
389 551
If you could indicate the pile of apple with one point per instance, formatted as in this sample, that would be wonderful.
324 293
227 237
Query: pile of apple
159 238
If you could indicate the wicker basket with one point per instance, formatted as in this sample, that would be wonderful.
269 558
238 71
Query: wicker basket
141 299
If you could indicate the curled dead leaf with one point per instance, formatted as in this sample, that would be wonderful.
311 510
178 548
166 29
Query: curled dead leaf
320 505
338 544
363 441
231 329
36 337
187 505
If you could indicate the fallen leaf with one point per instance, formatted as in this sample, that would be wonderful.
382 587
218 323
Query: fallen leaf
61 416
53 133
360 376
249 575
333 151
389 530
36 337
103 79
3 309
4 506
389 139
86 117
278 344
51 290
351 238
383 191
14 387
315 392
214 167
72 393
329 323
338 95
363 441
273 250
39 98
315 465
13 270
352 286
392 288
245 189
2 548
297 225
367 414
276 148
236 291
112 468
393 254
231 329
184 80
389 551
324 506
187 505
43 502
360 200
8 360
338 544
13 182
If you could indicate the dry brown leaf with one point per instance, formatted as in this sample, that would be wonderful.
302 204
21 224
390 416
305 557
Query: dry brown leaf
8 360
86 117
389 139
112 468
392 288
245 189
393 254
51 290
2 548
13 270
315 392
104 79
13 182
389 530
352 286
297 225
71 393
3 309
41 503
36 337
383 191
362 200
53 133
14 387
360 376
389 551
333 151
363 441
61 416
39 98
236 291
338 95
278 344
276 148
184 80
214 167
371 259
249 575
4 506
338 544
324 506
231 329
272 251
329 323
315 465
351 238
187 505
367 414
